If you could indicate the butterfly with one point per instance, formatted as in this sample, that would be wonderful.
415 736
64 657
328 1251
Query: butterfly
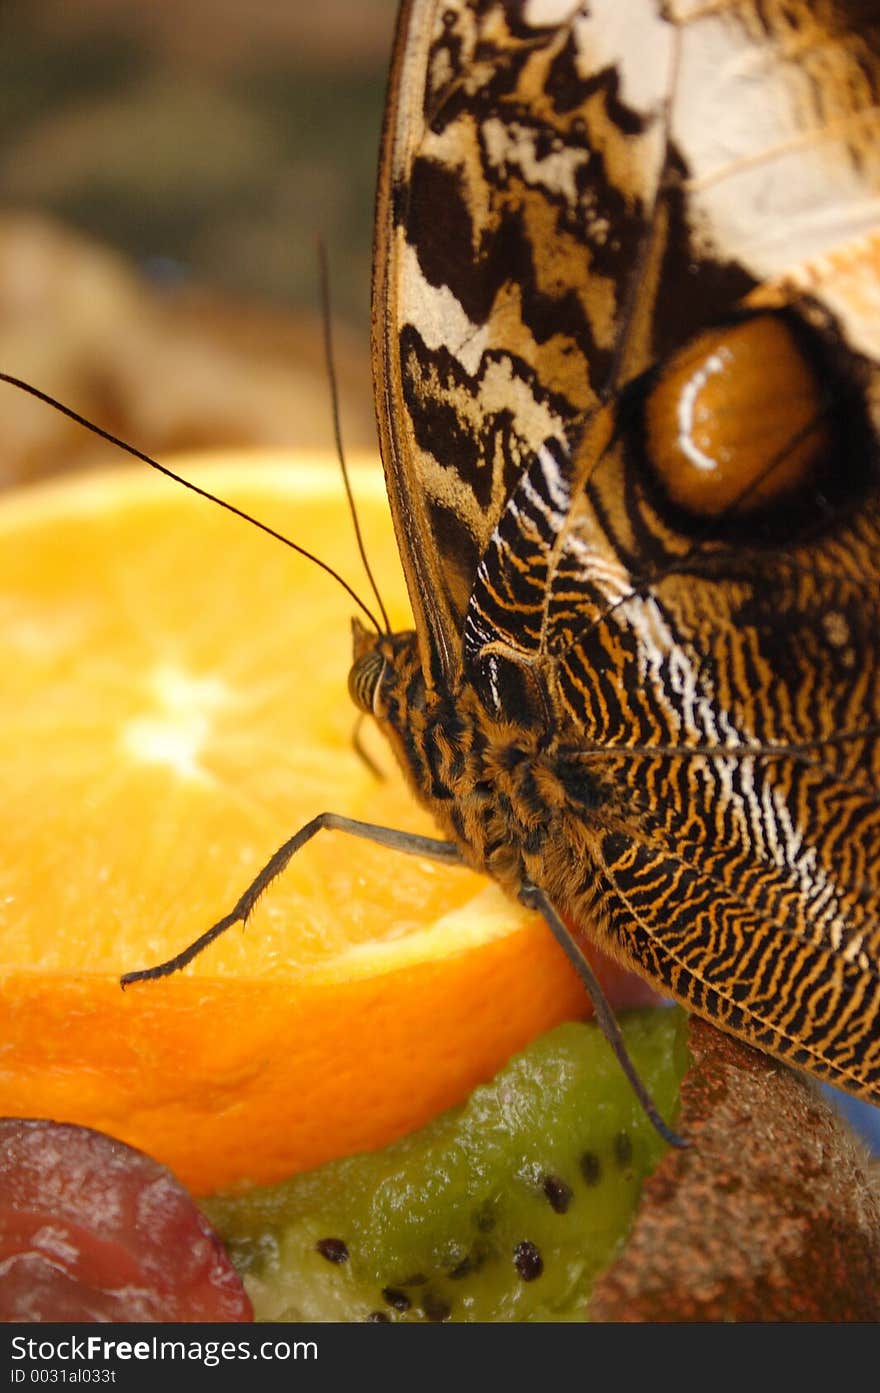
626 351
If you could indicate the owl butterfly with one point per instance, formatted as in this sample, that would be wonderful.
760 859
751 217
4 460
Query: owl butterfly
626 348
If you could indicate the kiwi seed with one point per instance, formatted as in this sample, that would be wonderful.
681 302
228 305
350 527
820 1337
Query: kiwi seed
435 1308
558 1193
396 1298
527 1261
591 1168
333 1249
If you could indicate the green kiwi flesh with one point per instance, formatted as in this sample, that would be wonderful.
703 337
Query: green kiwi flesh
505 1209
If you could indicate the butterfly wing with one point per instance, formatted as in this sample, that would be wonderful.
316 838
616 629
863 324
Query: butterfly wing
504 249
568 194
566 191
744 868
722 705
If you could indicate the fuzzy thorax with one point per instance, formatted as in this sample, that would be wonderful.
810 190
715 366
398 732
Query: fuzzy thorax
519 806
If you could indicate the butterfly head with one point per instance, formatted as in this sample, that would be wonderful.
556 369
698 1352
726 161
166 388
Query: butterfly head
380 664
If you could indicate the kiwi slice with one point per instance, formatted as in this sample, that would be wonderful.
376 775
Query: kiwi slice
505 1209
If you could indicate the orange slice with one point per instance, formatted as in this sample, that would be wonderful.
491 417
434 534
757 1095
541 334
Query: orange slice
174 706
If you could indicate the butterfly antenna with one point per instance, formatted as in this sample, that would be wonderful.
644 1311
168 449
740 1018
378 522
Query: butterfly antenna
187 484
337 432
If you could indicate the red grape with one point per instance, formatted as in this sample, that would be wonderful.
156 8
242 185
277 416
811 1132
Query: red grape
93 1230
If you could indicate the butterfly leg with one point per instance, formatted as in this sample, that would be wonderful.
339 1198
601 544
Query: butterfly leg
533 898
431 847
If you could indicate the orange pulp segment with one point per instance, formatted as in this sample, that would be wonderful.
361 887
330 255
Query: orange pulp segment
173 708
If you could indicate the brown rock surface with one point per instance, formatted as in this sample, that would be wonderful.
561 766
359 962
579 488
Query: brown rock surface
772 1213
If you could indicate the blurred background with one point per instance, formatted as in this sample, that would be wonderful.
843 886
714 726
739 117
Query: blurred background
166 168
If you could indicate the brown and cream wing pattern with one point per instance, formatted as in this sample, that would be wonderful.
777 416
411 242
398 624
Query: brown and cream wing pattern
515 192
573 196
627 371
722 702
567 191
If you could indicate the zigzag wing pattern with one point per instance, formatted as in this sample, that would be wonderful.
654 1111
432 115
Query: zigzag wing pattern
569 190
627 364
517 188
731 702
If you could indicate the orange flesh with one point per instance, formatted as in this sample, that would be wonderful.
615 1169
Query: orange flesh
174 707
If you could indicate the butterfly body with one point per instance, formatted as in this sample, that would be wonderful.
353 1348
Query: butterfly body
627 366
515 802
